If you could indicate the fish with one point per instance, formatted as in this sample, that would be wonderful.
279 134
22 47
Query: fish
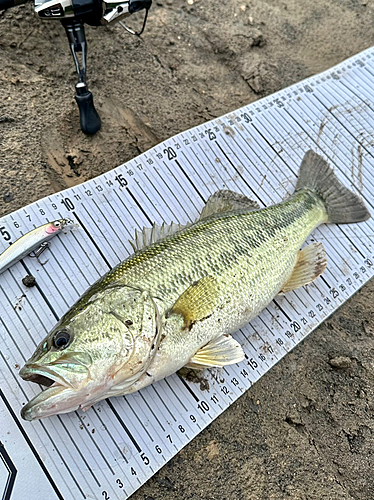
33 240
177 300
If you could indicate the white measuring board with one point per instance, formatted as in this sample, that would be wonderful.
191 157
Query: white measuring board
113 448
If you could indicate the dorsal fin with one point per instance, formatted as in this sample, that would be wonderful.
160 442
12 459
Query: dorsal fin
227 201
150 235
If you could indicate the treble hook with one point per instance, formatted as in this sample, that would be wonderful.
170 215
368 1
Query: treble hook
37 253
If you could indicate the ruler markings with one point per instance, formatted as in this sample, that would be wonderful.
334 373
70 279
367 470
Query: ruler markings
178 188
18 324
9 334
346 134
213 163
102 244
120 420
174 195
151 410
121 217
139 206
136 415
363 88
356 95
105 427
94 443
94 243
204 179
264 168
78 448
30 444
163 402
122 253
188 178
344 124
136 222
240 175
361 118
172 216
87 267
17 381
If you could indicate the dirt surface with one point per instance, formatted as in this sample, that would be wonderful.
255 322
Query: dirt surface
305 430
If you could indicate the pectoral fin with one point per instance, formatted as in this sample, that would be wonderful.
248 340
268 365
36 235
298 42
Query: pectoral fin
198 301
221 351
311 262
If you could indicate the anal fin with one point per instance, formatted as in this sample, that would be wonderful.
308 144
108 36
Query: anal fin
222 351
311 262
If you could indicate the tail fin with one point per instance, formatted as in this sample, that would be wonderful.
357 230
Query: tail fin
342 205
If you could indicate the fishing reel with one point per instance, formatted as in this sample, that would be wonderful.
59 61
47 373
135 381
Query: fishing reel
74 14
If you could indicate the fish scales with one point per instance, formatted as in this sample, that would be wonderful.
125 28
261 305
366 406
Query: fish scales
239 248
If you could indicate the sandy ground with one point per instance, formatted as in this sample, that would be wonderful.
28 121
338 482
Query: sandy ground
305 430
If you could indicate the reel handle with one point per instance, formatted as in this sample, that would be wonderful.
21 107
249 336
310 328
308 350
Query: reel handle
89 117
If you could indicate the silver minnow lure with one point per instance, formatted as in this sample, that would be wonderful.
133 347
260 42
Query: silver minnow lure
32 241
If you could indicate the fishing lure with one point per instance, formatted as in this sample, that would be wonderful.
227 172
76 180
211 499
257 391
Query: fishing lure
34 241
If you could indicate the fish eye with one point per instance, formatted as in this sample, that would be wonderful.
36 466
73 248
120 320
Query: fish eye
128 322
57 223
61 339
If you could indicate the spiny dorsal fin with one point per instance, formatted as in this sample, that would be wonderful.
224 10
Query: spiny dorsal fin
150 235
198 301
311 262
227 201
221 351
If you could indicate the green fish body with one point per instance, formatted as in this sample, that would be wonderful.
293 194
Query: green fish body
176 301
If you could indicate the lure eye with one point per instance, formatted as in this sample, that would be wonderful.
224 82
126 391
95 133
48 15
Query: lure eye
61 339
57 223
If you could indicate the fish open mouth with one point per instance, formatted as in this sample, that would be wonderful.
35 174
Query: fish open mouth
63 381
39 379
58 395
43 376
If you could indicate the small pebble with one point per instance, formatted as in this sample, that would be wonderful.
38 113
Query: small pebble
340 362
29 281
8 197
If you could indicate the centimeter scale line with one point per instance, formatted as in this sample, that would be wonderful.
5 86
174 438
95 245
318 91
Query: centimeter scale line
111 450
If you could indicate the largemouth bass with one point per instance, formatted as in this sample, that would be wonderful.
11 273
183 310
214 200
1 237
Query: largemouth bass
176 301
